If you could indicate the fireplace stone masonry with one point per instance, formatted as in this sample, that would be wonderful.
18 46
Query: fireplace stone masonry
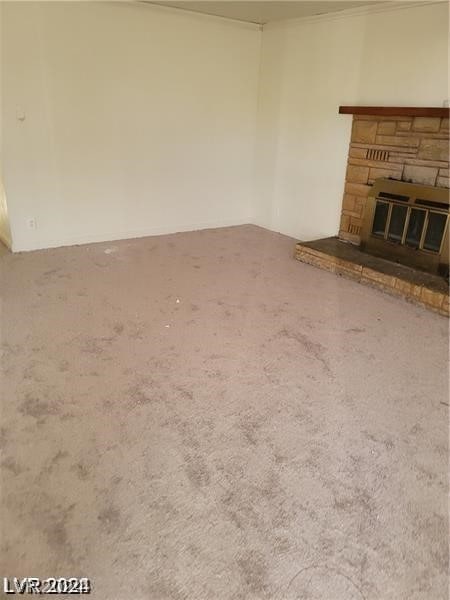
399 159
413 149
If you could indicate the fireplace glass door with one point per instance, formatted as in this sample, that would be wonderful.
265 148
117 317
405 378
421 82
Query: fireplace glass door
408 223
417 228
435 231
397 223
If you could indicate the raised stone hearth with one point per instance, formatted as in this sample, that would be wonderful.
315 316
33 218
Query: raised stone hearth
332 254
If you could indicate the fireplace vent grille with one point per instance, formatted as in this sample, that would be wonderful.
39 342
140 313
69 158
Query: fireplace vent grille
373 154
399 197
428 203
354 229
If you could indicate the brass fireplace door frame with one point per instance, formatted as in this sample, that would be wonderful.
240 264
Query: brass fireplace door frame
413 196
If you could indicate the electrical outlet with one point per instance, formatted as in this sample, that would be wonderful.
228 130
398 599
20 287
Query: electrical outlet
20 114
32 223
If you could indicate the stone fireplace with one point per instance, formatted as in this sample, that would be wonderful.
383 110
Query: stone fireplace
394 226
405 147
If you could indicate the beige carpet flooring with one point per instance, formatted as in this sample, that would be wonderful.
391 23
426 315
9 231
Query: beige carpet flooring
199 416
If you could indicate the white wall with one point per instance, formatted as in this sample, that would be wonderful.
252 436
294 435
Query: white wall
135 120
121 119
5 232
396 57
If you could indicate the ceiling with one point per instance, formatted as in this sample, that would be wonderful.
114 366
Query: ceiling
267 11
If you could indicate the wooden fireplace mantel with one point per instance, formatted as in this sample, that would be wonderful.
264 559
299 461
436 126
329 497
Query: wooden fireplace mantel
396 111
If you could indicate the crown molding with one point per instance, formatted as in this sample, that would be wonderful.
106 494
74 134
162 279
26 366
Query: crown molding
387 6
185 12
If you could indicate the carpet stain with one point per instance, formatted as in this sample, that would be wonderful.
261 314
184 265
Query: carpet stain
37 408
110 519
314 349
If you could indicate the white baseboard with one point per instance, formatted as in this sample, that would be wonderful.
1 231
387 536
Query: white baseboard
41 244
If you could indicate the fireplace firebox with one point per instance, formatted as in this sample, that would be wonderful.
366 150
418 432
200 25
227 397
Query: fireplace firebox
408 223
